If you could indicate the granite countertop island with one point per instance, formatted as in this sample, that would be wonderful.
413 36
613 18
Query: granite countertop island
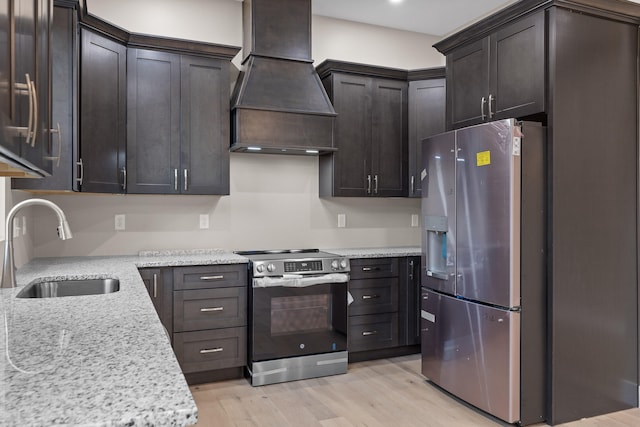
95 360
101 360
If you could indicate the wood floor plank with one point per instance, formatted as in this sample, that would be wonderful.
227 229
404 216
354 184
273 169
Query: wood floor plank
379 393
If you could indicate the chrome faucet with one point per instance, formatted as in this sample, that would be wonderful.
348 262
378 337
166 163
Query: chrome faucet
9 267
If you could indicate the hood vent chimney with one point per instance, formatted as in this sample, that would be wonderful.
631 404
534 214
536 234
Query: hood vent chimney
279 104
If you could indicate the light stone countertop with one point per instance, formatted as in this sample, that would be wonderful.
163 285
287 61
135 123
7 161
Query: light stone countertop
96 360
101 360
377 252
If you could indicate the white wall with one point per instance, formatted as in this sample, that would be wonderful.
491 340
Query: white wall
274 199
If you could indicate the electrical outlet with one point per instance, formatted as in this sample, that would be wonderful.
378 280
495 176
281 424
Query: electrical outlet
342 220
204 221
24 225
120 222
414 220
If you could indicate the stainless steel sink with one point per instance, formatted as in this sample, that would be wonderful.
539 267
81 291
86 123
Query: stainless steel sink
67 288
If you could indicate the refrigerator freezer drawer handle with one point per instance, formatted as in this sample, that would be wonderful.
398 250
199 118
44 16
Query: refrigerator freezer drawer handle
441 276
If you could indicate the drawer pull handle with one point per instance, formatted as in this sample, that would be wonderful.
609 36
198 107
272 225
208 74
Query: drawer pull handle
370 296
211 350
368 333
207 310
370 268
211 277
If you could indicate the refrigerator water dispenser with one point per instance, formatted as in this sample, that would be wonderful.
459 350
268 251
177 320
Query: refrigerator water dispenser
436 242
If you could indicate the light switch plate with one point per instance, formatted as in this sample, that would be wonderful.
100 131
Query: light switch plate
24 225
120 224
414 220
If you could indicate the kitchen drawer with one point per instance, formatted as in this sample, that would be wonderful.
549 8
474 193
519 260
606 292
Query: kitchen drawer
209 350
365 268
209 308
372 296
373 332
210 276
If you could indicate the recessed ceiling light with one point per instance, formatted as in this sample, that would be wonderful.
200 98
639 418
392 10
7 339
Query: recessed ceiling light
395 1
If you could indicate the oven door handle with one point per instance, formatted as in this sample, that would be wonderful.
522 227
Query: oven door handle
299 281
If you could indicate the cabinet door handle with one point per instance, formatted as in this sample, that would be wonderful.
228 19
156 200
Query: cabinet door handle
81 166
211 350
211 277
29 89
375 184
370 268
186 179
368 184
413 184
175 180
155 285
368 333
57 158
124 179
491 99
370 296
211 309
34 131
482 102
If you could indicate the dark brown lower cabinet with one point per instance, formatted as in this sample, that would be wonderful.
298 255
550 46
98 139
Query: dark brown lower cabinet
212 349
210 321
384 311
410 300
204 310
158 284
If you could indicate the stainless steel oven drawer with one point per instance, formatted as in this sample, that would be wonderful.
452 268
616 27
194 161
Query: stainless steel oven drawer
371 296
209 308
365 268
209 276
208 350
373 332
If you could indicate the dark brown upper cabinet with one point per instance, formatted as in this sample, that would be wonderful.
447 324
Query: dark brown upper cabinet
64 82
178 124
24 88
370 131
90 78
103 114
427 99
499 76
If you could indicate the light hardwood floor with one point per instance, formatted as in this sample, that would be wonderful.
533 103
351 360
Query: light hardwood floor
380 393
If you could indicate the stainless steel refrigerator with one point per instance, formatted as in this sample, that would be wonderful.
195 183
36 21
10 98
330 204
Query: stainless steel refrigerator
483 267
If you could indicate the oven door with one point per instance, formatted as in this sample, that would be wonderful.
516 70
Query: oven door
297 320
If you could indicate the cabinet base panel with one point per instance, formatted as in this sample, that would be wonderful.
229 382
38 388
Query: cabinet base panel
361 356
216 375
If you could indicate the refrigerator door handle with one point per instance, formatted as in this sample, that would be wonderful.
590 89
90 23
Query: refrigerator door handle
437 275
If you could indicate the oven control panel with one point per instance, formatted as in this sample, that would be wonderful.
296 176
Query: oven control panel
300 266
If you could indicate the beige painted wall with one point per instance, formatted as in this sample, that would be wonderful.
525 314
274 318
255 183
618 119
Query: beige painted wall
274 199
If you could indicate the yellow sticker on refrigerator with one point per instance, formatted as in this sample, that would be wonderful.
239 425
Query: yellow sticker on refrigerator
483 158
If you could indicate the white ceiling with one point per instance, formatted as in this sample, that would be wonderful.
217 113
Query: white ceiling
436 17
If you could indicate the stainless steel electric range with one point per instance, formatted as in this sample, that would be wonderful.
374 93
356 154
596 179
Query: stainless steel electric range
297 315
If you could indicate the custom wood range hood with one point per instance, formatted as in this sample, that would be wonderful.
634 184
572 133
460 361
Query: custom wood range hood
279 104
